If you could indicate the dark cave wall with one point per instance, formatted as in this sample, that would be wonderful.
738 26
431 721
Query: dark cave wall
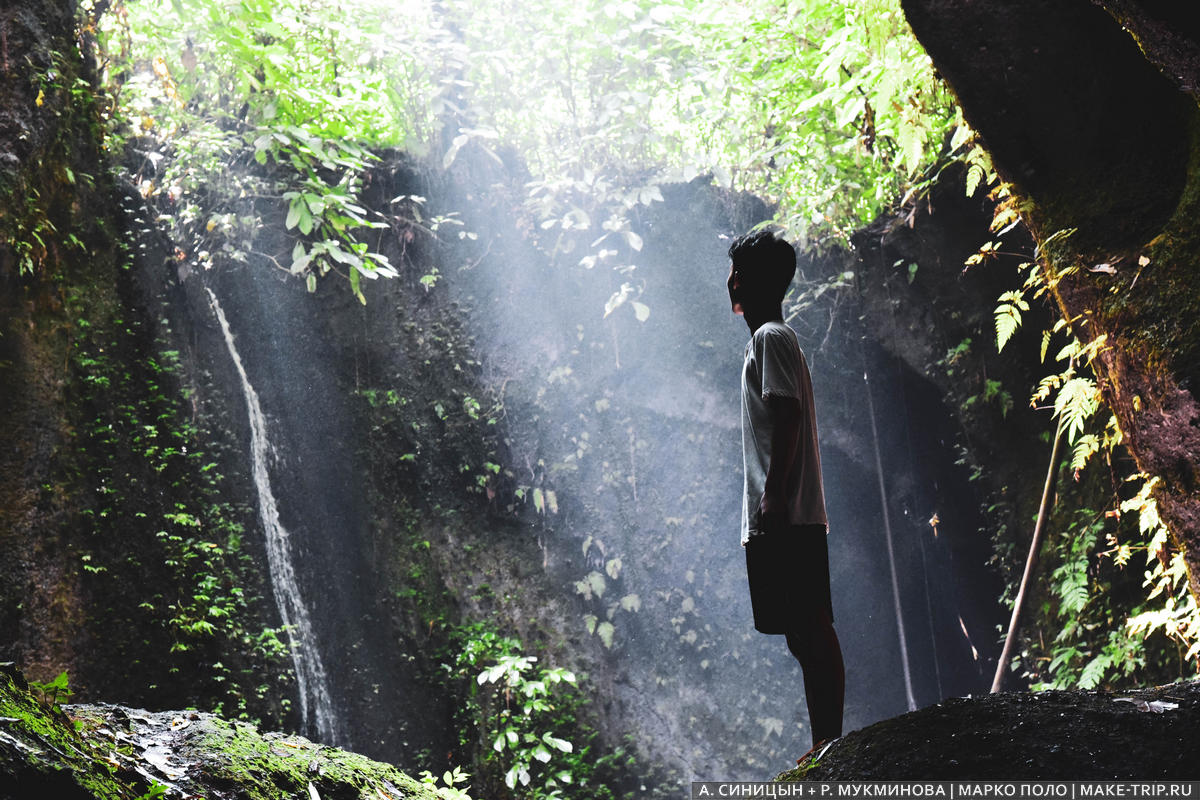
932 319
98 444
34 332
1089 109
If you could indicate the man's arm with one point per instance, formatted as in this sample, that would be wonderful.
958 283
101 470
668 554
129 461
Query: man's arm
785 434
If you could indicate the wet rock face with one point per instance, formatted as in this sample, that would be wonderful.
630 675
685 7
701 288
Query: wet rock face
1090 109
1069 107
1168 32
1147 733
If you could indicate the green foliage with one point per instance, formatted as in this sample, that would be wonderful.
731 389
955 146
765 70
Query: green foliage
1075 657
450 780
54 691
159 519
526 729
1103 624
1089 602
828 107
288 85
1105 620
45 206
522 714
1008 316
155 791
593 587
1166 578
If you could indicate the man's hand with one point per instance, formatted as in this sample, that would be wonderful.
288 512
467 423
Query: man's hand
771 515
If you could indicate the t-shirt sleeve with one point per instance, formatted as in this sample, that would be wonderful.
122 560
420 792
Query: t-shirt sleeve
780 364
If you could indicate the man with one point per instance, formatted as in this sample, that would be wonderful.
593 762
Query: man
783 508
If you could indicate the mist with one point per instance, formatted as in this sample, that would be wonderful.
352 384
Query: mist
583 302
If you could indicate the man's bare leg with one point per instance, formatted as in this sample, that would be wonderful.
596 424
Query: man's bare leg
815 645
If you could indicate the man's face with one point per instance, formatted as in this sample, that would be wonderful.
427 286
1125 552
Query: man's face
734 285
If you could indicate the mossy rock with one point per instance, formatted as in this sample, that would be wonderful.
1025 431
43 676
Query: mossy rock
108 751
43 755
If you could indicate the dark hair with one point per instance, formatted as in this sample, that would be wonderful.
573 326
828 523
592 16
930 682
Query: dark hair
764 261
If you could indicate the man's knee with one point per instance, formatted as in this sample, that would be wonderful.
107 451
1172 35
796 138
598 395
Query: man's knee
809 629
808 622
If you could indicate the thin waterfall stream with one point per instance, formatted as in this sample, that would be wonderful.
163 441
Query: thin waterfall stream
887 529
315 700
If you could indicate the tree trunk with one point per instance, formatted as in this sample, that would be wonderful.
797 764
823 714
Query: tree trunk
1089 109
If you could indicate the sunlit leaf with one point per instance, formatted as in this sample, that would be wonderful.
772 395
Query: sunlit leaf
596 582
605 631
618 298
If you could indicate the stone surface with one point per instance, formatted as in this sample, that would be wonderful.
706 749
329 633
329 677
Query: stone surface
1145 733
113 752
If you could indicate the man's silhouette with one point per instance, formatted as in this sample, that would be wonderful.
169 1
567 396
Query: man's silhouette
783 512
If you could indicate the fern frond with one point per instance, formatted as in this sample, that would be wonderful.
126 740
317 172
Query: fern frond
1008 316
1087 446
1076 403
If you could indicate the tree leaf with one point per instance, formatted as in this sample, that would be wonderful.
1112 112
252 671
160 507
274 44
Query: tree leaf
305 220
293 215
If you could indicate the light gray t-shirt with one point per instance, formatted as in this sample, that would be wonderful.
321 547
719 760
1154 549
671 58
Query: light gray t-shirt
775 366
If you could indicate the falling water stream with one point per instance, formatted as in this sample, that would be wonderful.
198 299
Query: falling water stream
887 528
316 705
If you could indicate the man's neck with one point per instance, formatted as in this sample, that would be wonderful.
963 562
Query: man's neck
756 318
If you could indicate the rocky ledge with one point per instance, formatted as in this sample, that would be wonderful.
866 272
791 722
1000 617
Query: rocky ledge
111 752
1073 735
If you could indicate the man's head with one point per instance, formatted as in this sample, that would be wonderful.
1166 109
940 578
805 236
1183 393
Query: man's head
761 267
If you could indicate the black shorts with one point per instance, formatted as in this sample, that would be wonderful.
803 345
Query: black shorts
789 577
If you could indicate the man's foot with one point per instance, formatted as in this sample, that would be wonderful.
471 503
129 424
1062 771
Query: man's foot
816 751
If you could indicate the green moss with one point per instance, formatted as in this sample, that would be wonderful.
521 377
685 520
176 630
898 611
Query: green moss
264 767
113 753
43 755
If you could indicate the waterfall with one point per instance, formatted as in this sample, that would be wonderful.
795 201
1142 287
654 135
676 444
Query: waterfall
887 529
315 701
